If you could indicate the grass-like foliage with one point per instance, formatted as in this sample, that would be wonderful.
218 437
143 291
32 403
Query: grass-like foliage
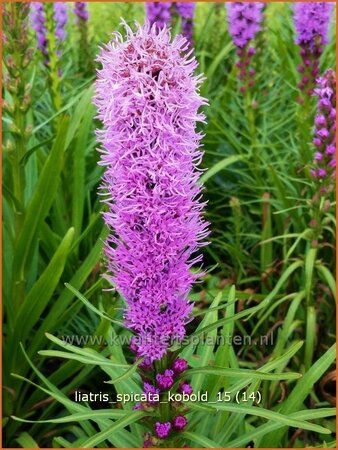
261 341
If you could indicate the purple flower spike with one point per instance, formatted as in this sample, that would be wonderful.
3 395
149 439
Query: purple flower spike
148 100
180 365
179 423
165 380
186 10
162 430
245 21
325 127
38 20
60 16
311 21
81 11
159 13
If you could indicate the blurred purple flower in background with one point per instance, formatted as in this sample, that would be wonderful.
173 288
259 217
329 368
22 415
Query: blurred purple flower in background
40 25
325 131
81 11
85 57
159 13
38 21
148 99
60 16
244 20
186 10
311 21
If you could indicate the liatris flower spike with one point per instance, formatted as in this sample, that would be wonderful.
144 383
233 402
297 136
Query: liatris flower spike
244 21
38 20
186 10
147 98
311 21
81 11
158 13
85 59
17 93
60 15
42 27
325 132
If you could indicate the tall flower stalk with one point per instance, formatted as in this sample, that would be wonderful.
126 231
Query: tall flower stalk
244 20
311 21
59 19
324 169
60 16
49 21
148 99
324 173
17 56
81 19
38 20
17 101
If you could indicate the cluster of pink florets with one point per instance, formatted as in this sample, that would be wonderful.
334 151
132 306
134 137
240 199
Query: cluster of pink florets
155 386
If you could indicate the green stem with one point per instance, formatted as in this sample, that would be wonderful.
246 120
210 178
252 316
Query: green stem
310 336
250 115
253 158
164 408
310 307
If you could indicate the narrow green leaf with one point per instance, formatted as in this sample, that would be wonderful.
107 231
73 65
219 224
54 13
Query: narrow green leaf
327 276
126 374
39 205
77 417
42 291
121 423
271 415
91 306
80 111
269 427
200 440
243 373
299 393
219 166
26 441
59 312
